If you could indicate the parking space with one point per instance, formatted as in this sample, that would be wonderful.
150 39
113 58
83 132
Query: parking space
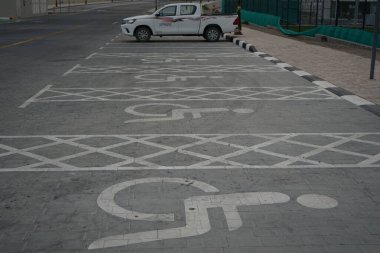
180 145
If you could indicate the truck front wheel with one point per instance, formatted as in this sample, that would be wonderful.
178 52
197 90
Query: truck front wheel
143 34
212 34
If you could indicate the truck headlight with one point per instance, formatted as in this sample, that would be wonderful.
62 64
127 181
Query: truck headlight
128 21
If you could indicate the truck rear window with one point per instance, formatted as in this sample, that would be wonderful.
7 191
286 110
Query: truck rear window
188 9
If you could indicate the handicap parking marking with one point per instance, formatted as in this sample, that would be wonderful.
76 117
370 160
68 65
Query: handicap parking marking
197 221
169 78
171 60
106 199
176 114
188 151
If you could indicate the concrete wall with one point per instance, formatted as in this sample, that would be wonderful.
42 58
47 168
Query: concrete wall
22 8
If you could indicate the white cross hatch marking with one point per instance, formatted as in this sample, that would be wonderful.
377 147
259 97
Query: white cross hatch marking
312 156
172 55
144 69
52 94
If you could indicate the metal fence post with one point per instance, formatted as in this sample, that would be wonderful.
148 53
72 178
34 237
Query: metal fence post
299 15
287 14
311 9
374 45
316 14
323 11
364 13
337 10
277 7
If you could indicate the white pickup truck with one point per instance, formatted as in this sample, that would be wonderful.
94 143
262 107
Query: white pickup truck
179 19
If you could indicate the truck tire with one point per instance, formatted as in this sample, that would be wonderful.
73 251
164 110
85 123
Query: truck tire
212 34
143 34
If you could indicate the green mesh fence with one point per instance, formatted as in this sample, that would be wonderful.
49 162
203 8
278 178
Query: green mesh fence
348 34
288 10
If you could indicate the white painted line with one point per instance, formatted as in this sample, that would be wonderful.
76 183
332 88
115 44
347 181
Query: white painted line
301 73
101 48
241 43
90 56
283 65
234 40
258 53
221 167
32 99
112 39
114 23
143 47
270 58
71 70
324 84
248 46
356 100
171 55
108 43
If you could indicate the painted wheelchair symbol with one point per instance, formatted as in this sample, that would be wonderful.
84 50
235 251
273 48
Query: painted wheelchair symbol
168 78
176 114
169 60
196 214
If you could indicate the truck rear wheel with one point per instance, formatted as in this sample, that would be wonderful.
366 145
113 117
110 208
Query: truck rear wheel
143 34
212 34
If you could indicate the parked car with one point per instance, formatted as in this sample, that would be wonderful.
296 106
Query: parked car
179 19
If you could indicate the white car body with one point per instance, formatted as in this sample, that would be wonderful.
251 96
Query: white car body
179 19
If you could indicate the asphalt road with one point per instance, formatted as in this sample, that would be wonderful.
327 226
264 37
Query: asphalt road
176 145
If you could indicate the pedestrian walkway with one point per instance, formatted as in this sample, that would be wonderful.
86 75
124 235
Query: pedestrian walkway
345 70
58 4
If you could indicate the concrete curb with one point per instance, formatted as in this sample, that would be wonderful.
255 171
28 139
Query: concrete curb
340 92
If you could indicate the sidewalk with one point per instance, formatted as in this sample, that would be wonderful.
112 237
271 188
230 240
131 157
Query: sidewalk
345 70
72 3
66 7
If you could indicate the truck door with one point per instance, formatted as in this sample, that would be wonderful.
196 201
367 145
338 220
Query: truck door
188 21
166 22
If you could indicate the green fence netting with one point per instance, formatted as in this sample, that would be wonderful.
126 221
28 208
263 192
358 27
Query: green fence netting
348 34
288 10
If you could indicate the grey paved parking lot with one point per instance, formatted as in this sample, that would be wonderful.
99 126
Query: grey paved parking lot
180 145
